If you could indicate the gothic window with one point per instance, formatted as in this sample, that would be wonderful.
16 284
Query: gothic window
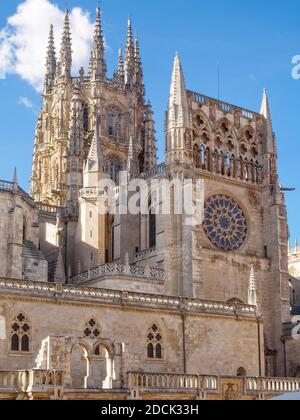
152 226
205 138
154 343
224 223
241 372
92 329
199 121
86 118
114 169
225 127
254 151
197 157
203 154
24 229
20 334
114 120
230 145
219 142
97 351
243 149
248 134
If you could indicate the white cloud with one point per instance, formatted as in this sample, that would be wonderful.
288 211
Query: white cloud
23 42
24 101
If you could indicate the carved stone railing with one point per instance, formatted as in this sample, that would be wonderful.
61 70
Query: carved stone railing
272 385
6 185
223 106
103 296
153 172
143 381
145 254
90 192
115 269
10 186
170 382
29 380
47 208
45 378
10 379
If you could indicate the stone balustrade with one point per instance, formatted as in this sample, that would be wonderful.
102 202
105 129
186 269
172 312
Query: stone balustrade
223 106
143 381
156 381
6 185
141 255
272 385
9 379
28 380
91 192
114 269
107 296
153 172
47 208
10 187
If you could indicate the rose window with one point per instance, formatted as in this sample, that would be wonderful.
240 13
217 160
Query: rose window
224 223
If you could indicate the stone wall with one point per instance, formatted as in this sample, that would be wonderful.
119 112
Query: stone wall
215 330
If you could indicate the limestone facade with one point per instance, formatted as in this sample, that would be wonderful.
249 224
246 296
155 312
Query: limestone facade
100 298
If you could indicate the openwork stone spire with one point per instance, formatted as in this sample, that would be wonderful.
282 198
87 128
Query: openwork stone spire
65 58
97 62
129 56
150 157
50 64
132 165
121 65
138 69
76 123
178 112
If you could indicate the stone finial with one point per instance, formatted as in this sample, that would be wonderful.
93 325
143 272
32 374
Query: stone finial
60 275
15 177
252 289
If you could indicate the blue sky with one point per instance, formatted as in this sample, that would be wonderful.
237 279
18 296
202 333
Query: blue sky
254 42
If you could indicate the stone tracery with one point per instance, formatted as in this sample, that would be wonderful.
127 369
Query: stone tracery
224 223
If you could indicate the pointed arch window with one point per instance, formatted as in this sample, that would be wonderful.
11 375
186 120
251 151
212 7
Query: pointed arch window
114 122
152 226
197 157
114 169
20 334
85 118
154 343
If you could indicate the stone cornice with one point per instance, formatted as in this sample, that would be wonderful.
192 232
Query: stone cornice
130 300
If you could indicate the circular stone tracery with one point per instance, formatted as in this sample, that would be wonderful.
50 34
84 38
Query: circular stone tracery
224 223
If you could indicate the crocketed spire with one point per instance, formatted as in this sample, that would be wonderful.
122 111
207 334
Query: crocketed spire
129 56
178 112
138 69
97 61
50 63
121 65
65 57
